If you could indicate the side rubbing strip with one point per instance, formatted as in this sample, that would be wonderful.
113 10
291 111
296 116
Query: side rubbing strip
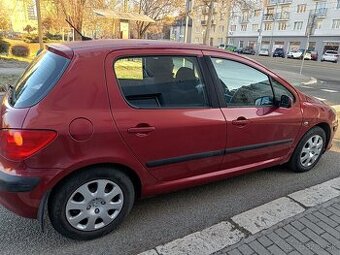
174 160
256 146
208 154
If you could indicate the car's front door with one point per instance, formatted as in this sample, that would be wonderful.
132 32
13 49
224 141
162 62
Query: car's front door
258 130
163 110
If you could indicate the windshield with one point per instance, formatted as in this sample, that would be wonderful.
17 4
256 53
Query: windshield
38 79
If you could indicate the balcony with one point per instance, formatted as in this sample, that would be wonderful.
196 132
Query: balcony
274 2
205 22
244 19
321 13
268 17
282 16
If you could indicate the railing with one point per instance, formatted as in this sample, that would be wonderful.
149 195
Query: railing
274 2
282 15
268 17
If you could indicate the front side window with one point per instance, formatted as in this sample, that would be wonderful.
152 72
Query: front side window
280 90
161 82
242 85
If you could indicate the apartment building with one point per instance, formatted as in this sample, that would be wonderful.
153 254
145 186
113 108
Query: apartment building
198 13
286 24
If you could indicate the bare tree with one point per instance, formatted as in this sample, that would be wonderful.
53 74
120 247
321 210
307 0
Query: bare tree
155 9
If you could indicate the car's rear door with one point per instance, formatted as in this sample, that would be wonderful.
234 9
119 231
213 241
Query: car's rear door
164 110
258 131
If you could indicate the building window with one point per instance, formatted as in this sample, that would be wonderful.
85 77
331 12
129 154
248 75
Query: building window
243 27
318 24
233 28
301 8
298 25
255 27
241 44
268 26
338 4
197 40
257 12
282 25
221 28
336 23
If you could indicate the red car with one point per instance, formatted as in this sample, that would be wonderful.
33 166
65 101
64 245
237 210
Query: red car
92 126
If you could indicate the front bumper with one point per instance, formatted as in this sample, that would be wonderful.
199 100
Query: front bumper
13 183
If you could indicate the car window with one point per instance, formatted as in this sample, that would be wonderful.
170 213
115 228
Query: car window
38 79
280 90
161 82
243 85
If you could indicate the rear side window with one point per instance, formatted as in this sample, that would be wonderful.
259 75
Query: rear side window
161 82
38 79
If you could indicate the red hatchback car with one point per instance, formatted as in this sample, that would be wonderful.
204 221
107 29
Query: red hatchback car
92 126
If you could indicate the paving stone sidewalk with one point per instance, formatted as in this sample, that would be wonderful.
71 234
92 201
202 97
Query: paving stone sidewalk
315 231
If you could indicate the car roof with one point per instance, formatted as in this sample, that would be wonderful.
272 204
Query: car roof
108 45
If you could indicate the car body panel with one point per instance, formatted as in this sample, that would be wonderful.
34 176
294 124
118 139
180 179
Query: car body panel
90 116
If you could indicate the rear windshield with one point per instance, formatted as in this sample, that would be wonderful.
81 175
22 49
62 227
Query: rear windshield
38 79
331 52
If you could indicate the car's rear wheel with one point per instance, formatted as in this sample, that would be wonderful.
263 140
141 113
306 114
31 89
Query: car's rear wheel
91 203
309 150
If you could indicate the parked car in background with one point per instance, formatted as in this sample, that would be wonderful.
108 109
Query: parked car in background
238 50
314 55
264 52
330 56
227 47
248 50
279 52
85 145
297 54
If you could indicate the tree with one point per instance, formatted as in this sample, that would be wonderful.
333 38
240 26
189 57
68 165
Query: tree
155 9
225 5
29 29
4 18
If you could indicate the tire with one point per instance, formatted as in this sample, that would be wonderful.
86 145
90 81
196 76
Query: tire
300 161
102 213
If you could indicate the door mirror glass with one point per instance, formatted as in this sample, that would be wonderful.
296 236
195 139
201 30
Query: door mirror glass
285 102
265 100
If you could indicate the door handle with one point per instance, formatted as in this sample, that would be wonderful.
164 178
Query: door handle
240 121
141 130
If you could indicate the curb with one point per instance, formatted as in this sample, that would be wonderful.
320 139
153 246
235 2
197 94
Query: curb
227 233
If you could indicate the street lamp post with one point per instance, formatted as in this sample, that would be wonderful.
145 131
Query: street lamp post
41 44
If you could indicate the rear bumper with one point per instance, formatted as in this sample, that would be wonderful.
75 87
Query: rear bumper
12 183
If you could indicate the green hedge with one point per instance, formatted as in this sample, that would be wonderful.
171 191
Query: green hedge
20 50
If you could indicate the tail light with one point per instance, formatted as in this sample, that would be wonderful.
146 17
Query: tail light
19 144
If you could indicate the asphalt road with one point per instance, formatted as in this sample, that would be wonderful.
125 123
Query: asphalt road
327 74
161 219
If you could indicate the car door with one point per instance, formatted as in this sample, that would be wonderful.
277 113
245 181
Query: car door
258 130
164 110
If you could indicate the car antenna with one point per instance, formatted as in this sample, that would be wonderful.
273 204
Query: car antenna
83 38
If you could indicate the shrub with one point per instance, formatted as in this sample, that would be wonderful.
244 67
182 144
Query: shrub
20 50
4 47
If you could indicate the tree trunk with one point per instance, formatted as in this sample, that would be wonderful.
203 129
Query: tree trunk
207 31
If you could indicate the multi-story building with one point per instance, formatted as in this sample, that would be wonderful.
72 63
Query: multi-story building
198 24
286 24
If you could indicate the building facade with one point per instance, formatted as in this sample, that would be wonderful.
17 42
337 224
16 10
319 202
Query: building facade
286 24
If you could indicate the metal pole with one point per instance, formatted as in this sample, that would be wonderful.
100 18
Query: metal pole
303 54
187 18
259 38
272 34
41 44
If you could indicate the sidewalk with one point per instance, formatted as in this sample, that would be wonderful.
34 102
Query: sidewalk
316 231
304 222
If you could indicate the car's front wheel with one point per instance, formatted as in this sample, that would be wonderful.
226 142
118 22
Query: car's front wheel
309 150
91 203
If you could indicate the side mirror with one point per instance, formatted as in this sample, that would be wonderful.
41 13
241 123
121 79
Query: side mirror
262 101
285 102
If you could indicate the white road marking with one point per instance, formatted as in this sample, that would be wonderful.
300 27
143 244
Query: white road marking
330 90
311 81
321 99
267 215
316 195
207 241
224 234
303 86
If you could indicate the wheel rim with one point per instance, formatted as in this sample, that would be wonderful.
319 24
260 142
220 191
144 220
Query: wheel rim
94 205
311 150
